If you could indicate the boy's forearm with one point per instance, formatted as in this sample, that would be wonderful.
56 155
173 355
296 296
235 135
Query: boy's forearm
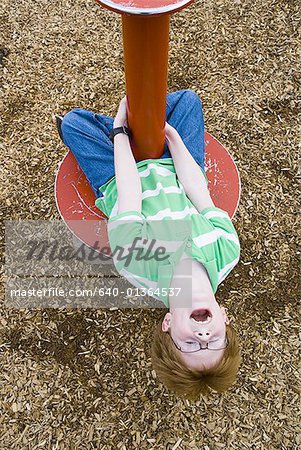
187 169
127 177
189 173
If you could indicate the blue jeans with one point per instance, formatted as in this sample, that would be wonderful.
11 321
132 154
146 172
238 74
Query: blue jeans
86 134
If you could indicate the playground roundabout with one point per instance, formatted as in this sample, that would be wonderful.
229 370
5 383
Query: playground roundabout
82 378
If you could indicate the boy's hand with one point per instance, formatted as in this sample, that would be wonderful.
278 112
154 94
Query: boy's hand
121 116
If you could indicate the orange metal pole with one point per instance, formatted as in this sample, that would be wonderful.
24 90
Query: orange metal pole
145 44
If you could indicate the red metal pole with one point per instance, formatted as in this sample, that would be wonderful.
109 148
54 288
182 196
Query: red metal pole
145 43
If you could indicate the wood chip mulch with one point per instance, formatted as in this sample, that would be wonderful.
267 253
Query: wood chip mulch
82 379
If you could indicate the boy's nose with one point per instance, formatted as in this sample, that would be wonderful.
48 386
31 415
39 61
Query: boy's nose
204 336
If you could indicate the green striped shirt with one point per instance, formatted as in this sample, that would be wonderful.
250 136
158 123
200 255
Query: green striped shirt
168 220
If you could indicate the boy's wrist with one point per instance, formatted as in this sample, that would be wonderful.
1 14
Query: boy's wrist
119 136
119 130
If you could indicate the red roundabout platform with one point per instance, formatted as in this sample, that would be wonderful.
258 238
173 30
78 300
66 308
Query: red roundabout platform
75 198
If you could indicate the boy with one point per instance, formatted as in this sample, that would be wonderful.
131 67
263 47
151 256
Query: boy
166 200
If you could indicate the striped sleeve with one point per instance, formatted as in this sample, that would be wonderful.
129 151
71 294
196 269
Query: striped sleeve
228 245
125 233
127 215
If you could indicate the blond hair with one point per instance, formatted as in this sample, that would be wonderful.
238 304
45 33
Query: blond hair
190 383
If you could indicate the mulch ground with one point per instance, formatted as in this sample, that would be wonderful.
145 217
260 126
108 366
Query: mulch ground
82 379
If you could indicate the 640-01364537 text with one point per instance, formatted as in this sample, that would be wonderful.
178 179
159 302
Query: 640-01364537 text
109 291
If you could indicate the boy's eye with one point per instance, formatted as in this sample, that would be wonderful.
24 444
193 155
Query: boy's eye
190 346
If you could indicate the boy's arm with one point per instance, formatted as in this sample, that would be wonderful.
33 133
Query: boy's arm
127 177
189 172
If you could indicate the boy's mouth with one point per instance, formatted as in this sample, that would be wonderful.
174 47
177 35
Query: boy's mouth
201 315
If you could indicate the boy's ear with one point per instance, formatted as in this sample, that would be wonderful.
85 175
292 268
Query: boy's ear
166 322
226 318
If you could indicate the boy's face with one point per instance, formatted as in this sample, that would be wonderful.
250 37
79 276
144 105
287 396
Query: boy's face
202 323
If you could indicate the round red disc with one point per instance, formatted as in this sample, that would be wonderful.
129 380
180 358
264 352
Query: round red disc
75 197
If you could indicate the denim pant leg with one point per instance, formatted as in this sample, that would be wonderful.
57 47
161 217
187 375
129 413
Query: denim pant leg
86 134
184 112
